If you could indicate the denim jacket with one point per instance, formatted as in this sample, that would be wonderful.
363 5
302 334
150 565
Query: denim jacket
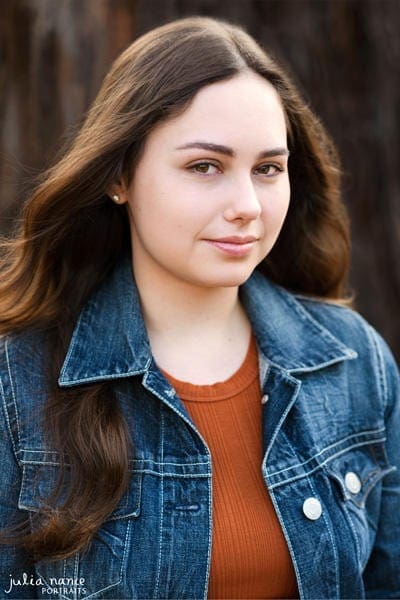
331 442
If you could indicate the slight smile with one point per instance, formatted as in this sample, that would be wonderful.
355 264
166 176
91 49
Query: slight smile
234 245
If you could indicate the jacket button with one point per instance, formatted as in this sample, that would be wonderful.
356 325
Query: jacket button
312 508
352 482
264 399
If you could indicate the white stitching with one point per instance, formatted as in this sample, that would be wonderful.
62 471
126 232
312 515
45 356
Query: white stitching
156 589
8 421
380 364
210 528
381 430
356 541
300 476
12 390
289 543
335 553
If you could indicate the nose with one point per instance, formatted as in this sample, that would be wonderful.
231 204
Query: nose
243 203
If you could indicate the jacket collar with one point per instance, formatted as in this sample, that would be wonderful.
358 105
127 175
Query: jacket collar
287 334
110 339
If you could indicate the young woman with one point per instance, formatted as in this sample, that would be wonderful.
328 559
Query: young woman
188 408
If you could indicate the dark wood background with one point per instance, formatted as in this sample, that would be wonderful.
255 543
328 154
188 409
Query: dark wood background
344 54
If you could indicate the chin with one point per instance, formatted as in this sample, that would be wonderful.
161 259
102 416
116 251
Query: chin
228 279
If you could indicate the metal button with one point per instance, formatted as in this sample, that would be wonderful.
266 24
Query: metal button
264 399
352 482
312 508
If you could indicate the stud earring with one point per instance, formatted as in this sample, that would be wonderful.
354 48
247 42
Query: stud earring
116 198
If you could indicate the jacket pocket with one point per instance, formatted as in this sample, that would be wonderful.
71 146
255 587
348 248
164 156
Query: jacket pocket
357 476
358 471
100 568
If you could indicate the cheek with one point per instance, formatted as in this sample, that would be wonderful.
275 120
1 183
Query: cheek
283 208
159 218
147 203
276 206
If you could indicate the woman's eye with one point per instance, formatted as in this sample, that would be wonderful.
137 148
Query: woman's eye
204 168
270 170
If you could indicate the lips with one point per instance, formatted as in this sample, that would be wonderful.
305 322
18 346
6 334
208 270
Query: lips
236 239
235 246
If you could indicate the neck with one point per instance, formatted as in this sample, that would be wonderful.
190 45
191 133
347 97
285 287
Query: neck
197 334
174 307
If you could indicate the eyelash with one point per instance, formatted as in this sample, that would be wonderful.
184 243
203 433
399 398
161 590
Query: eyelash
192 168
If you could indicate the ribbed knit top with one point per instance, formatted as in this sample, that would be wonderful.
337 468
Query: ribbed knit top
250 557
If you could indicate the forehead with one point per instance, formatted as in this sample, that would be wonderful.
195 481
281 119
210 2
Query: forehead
245 107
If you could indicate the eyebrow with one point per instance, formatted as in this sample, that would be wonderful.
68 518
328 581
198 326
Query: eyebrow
220 149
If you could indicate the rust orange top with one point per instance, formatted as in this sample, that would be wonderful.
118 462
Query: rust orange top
250 557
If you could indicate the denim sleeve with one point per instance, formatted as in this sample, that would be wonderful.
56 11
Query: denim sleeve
382 573
14 562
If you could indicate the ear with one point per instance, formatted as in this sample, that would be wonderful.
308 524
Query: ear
118 192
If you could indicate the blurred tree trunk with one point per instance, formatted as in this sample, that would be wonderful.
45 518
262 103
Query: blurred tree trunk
344 54
54 55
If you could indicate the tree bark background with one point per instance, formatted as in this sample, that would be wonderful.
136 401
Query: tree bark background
344 55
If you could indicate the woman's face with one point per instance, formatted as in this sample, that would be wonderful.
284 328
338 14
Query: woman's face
211 189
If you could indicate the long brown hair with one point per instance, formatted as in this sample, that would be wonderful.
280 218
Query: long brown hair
73 235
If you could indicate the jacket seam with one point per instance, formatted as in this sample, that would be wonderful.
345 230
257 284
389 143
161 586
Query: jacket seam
71 346
13 401
288 540
76 571
135 460
137 471
330 532
318 327
380 366
350 355
160 542
101 377
354 534
321 301
332 538
289 543
320 465
138 460
210 530
341 441
7 418
296 384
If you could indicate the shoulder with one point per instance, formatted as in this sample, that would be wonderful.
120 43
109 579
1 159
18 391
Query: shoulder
303 335
24 383
374 357
343 322
24 354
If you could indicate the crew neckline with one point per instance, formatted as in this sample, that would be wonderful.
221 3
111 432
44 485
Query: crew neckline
221 390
